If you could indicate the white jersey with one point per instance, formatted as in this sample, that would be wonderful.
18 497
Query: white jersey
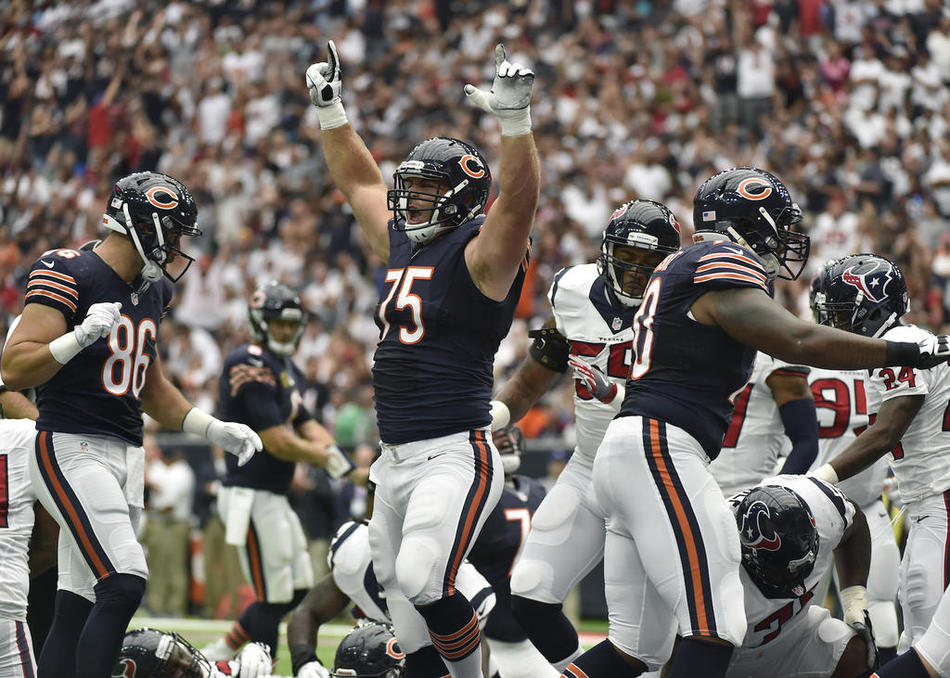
16 515
600 333
833 514
921 461
845 405
755 439
352 569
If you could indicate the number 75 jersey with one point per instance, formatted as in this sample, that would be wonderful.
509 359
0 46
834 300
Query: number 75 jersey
99 391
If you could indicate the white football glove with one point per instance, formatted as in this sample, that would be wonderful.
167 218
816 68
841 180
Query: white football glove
325 83
313 670
934 350
510 96
595 380
254 661
238 439
98 323
854 605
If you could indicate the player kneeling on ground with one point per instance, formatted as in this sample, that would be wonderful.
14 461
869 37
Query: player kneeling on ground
150 653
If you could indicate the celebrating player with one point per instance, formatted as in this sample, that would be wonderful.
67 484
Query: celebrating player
88 338
452 282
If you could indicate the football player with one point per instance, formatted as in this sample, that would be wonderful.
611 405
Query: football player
591 331
671 556
353 579
369 651
453 279
88 339
846 404
150 653
261 387
866 294
793 529
930 657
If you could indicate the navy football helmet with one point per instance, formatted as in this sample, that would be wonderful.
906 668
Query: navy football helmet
150 653
779 540
753 208
511 445
274 301
154 210
465 182
642 225
864 293
369 651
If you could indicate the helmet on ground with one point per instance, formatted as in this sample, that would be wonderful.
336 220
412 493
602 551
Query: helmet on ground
369 651
150 653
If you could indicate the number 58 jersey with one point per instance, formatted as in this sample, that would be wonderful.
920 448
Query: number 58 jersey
99 391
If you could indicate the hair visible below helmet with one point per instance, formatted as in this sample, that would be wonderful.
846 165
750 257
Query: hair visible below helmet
642 225
150 653
511 445
275 301
753 208
465 182
369 651
154 210
779 540
863 293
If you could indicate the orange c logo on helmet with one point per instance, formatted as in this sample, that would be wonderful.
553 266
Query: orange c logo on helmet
762 189
168 204
392 649
468 162
257 299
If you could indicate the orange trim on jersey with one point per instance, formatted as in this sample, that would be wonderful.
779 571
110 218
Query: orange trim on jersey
256 566
575 671
694 564
52 295
722 254
474 508
71 514
729 276
55 285
54 274
731 266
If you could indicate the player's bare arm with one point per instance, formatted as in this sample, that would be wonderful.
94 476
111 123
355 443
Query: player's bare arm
161 399
880 437
786 386
494 256
26 360
321 604
15 405
853 553
853 561
351 165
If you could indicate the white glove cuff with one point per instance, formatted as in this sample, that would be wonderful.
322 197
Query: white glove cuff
500 415
826 473
332 115
197 422
65 348
854 601
518 124
618 397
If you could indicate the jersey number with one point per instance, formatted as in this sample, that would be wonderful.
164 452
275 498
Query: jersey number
782 615
643 329
833 394
5 492
523 516
127 362
402 279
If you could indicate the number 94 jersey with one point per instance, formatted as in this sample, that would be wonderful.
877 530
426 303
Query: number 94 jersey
99 391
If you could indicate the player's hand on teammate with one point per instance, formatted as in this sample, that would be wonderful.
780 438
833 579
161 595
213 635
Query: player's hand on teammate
595 380
854 606
863 628
313 670
510 94
98 323
324 79
238 439
934 350
254 661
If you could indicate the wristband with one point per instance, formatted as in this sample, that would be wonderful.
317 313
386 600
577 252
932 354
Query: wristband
619 395
64 348
826 473
500 415
196 422
901 353
517 125
854 601
332 115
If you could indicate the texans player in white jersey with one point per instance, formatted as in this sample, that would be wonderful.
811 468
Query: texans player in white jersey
930 656
352 579
591 331
775 407
793 529
866 294
452 282
88 339
671 554
845 406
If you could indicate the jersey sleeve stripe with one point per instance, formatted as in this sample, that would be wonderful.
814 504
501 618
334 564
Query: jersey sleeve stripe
732 255
833 495
54 274
719 265
730 276
39 283
52 295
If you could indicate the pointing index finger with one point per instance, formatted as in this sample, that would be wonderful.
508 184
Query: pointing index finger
333 60
500 54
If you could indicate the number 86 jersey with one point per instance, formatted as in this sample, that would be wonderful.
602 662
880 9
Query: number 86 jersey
98 391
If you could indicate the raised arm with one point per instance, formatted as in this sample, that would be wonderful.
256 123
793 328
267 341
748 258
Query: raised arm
351 165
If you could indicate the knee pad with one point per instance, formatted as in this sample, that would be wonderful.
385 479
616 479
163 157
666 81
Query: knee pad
533 579
883 616
551 523
121 591
417 568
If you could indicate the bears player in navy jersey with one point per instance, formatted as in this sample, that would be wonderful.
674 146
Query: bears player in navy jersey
591 331
88 339
671 556
261 387
452 282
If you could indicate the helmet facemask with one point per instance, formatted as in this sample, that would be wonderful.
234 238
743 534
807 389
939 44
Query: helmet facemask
443 213
628 267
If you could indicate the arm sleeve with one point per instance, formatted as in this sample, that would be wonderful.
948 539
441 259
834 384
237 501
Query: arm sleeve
801 426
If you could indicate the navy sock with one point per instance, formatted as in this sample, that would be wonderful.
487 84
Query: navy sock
602 660
700 658
117 598
261 620
886 654
907 665
548 628
58 657
426 662
453 626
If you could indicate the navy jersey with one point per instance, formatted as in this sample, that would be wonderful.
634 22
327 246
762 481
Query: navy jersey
99 391
498 544
261 390
686 373
432 373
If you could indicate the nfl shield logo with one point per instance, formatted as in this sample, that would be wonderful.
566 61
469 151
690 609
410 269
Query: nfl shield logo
135 299
83 446
616 324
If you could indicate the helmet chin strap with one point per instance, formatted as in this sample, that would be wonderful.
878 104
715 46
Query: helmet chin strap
151 272
769 261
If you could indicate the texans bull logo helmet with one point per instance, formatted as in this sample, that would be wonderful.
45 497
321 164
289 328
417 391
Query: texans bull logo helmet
863 293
